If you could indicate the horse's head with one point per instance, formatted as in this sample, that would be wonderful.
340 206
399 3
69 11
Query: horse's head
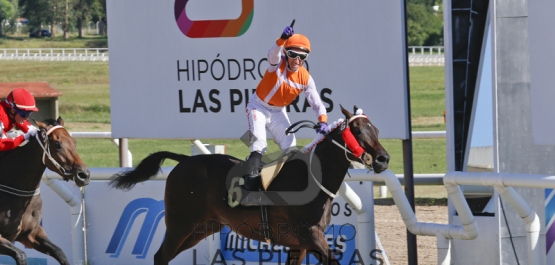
366 134
60 152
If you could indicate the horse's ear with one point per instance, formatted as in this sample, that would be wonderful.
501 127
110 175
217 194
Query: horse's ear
41 124
347 114
355 108
60 121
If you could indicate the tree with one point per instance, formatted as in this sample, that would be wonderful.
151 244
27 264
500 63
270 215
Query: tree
85 11
37 12
424 24
7 11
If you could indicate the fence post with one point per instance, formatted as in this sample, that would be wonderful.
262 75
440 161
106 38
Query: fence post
124 153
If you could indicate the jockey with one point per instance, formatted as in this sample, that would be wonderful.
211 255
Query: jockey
283 81
15 111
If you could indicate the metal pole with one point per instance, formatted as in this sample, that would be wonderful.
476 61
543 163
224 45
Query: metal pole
407 152
409 192
123 153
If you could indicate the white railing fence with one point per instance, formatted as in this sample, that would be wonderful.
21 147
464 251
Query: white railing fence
426 56
55 54
418 55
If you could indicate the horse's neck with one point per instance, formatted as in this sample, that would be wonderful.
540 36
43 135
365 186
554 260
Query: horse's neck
22 168
333 162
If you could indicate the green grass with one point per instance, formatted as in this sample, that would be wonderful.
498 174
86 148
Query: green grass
427 91
427 98
23 41
85 86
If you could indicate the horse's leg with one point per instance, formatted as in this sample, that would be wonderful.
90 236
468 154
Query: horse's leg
321 250
169 247
179 238
7 248
38 240
295 256
174 244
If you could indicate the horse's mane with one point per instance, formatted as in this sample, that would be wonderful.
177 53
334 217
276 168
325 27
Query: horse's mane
321 137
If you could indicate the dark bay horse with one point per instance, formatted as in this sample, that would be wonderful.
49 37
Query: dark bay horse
21 170
196 195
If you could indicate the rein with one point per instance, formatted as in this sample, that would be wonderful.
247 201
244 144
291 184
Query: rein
365 158
46 149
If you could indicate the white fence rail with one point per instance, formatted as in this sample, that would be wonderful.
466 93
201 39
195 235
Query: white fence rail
55 54
426 56
418 55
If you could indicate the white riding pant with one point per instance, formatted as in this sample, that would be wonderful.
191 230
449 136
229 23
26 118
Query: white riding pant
262 116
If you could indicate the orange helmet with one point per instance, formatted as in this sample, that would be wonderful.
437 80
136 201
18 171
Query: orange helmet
22 99
299 41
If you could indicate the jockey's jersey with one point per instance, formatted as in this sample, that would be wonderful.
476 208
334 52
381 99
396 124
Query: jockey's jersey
6 124
280 86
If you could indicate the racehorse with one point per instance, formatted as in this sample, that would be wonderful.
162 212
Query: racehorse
195 194
20 202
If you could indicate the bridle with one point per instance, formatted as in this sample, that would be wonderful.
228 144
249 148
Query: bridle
46 150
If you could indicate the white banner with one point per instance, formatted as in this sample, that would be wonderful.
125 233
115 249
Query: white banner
541 28
186 69
128 228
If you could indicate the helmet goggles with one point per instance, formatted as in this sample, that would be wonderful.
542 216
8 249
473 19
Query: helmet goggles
294 54
22 113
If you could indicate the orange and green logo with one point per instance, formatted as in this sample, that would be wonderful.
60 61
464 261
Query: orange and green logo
214 28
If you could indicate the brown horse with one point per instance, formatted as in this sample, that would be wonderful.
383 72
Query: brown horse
20 202
196 196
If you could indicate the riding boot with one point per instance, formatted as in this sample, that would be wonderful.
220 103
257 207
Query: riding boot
252 178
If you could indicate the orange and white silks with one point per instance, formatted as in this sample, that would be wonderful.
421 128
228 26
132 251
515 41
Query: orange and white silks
277 89
280 86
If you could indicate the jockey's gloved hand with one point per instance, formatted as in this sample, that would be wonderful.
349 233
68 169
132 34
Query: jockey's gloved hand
30 133
322 127
287 32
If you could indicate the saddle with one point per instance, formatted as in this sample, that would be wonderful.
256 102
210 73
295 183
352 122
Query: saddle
271 170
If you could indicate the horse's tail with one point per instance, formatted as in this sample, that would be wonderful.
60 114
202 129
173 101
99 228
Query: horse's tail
147 169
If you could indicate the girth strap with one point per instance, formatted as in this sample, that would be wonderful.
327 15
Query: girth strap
20 193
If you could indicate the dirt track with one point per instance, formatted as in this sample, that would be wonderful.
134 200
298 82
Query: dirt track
392 233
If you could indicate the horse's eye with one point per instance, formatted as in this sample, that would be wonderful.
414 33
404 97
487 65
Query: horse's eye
356 131
57 145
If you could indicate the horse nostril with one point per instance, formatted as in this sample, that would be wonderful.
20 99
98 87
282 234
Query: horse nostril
83 175
383 159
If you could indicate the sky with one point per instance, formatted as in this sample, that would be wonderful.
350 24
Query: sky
482 134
